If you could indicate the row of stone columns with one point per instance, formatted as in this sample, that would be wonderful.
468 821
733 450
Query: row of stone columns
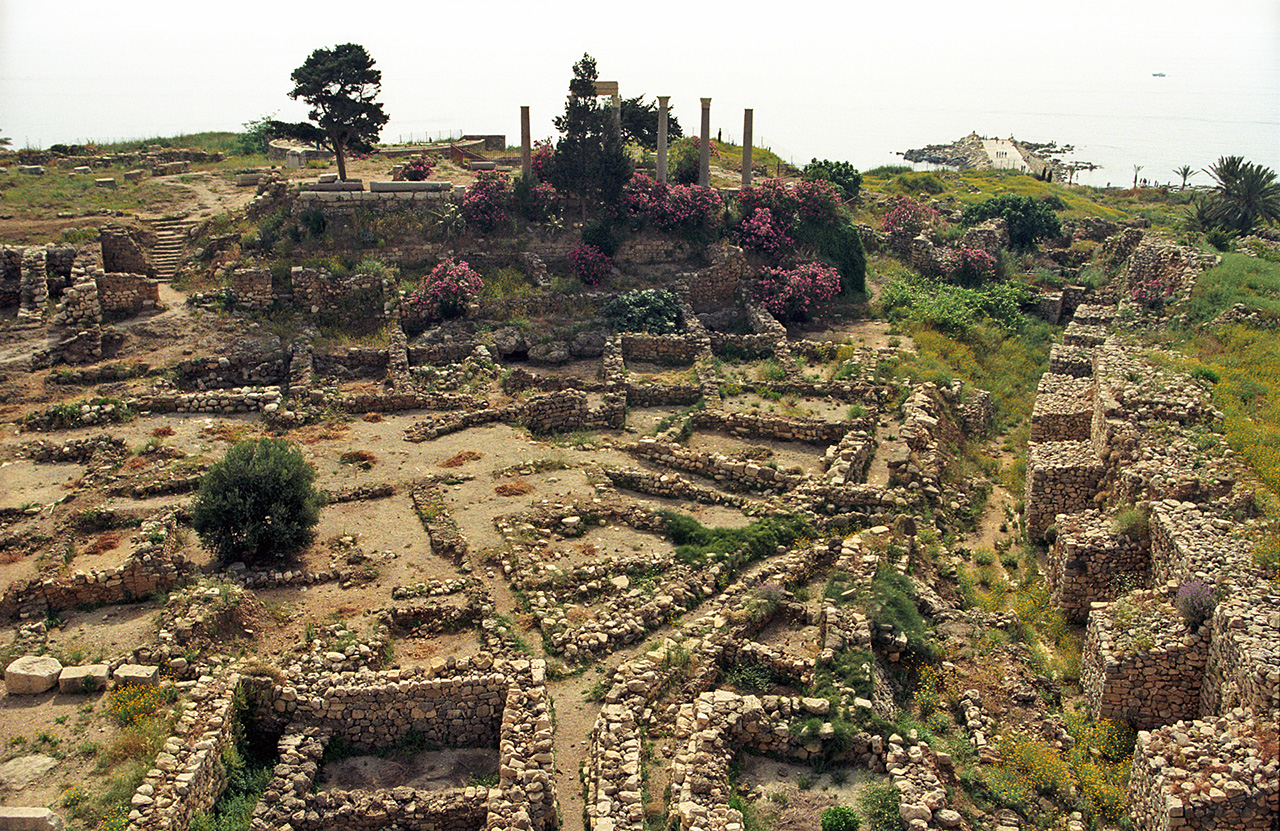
704 143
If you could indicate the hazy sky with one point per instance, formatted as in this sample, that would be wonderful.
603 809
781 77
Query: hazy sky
824 79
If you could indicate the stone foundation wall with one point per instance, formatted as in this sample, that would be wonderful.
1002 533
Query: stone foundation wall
1074 361
356 295
666 350
252 288
1089 563
378 711
1206 776
189 774
1147 683
1187 541
80 306
151 567
124 250
714 466
775 427
1244 657
1063 477
130 293
716 286
1063 409
566 411
234 400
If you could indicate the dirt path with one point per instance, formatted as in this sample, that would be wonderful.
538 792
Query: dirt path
888 447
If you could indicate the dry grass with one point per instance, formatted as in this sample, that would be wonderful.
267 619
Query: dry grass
372 418
104 543
517 488
362 459
462 458
162 432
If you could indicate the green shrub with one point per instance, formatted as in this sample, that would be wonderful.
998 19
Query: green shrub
840 818
880 806
1132 523
656 311
602 235
893 604
752 677
1029 219
696 544
257 502
841 174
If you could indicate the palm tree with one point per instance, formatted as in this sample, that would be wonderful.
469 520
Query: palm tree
1186 172
1246 194
1137 168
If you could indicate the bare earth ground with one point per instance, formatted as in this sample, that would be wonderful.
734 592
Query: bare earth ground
388 534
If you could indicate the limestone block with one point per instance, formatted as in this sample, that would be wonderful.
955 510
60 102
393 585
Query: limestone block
29 819
109 184
32 674
88 678
137 674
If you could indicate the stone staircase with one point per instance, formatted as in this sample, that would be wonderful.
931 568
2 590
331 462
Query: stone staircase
171 241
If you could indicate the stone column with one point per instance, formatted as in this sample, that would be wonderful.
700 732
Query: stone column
616 103
662 137
33 285
704 146
746 148
526 145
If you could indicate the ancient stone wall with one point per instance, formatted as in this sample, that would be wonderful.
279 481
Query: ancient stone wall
252 289
80 306
714 466
355 295
151 566
233 400
1062 478
780 428
1244 657
667 350
124 250
1089 562
261 363
716 286
131 293
1188 541
1144 667
1063 409
1206 775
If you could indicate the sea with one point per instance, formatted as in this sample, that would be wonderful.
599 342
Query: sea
1127 84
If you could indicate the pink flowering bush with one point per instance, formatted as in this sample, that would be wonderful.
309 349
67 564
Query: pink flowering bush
794 203
419 169
907 219
690 210
790 294
485 204
447 289
1152 292
541 159
694 212
968 266
590 264
536 201
761 232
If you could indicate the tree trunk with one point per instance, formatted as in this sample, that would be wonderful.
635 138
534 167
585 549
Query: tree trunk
342 161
